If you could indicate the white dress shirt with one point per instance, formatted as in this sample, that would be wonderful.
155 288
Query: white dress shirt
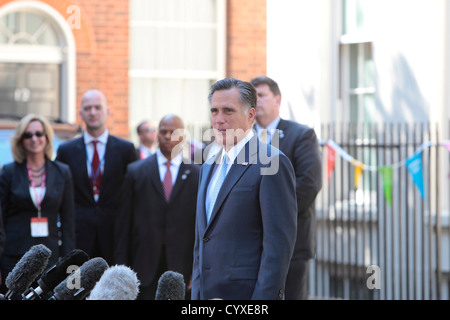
231 155
270 129
174 168
101 147
145 152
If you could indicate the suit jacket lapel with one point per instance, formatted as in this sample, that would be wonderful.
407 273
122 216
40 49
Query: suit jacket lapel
108 165
279 133
49 181
155 176
82 170
183 174
24 180
234 174
207 170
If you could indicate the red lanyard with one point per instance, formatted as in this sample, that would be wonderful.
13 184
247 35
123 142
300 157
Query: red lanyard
41 196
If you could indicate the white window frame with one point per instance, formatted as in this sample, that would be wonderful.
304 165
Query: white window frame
182 74
160 74
346 91
66 55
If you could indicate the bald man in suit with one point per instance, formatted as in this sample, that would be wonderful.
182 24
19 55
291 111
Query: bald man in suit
156 229
96 191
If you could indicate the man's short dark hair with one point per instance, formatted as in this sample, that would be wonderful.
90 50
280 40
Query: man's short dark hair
247 93
273 85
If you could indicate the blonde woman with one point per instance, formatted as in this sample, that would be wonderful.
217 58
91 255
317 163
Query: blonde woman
36 196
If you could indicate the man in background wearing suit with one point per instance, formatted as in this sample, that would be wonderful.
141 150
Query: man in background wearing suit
147 139
98 162
299 143
246 207
157 217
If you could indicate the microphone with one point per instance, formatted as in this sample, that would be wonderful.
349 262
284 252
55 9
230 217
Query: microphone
171 286
117 283
80 282
53 276
29 267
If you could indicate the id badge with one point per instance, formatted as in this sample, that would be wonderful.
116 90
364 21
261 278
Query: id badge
39 227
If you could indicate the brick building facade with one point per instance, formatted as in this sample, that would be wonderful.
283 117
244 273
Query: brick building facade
102 48
246 38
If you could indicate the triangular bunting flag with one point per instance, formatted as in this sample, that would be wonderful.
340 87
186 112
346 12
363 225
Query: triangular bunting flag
414 165
386 173
359 167
330 161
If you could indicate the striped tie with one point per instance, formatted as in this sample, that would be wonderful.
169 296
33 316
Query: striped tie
214 191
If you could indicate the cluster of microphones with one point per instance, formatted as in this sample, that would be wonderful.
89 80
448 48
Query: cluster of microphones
77 277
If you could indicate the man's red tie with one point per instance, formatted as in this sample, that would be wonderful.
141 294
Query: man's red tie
167 182
96 176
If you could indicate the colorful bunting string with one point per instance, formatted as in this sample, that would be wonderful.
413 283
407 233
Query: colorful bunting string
413 163
447 145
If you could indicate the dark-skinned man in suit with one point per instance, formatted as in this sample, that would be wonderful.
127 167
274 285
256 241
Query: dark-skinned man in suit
158 211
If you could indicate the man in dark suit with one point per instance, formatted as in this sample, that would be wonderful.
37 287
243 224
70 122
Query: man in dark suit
299 143
158 211
98 162
246 207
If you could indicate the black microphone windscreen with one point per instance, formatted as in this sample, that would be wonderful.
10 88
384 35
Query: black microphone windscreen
51 278
117 283
171 286
83 279
29 267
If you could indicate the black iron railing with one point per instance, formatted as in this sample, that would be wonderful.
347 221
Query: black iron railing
382 215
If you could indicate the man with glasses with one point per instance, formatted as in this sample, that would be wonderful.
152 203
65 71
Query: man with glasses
147 139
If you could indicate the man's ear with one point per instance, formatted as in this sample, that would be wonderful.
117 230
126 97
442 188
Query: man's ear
278 100
251 115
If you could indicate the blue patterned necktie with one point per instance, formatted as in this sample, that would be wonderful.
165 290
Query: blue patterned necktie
214 191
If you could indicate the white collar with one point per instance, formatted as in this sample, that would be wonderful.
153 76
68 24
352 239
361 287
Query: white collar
271 127
176 161
103 138
233 153
147 149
